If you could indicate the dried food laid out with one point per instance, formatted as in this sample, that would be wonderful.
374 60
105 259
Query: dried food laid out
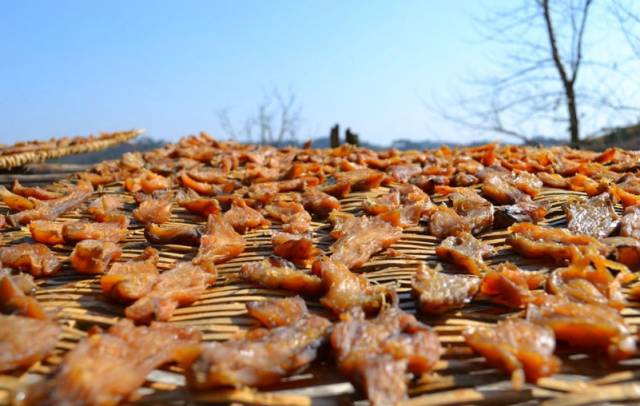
217 272
21 153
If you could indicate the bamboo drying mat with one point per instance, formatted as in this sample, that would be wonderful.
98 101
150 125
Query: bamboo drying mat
460 376
107 140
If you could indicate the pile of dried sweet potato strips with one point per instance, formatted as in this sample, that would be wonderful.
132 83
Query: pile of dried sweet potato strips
454 195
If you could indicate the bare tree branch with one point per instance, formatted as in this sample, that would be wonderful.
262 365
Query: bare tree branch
568 82
578 46
544 82
226 124
629 22
277 120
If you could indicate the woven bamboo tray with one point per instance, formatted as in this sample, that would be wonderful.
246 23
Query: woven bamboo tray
13 160
460 377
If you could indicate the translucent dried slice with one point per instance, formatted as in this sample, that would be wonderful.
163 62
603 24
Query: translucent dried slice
511 286
297 248
625 250
147 181
292 215
595 217
107 368
220 243
377 353
243 218
153 211
46 232
630 222
341 222
476 211
403 172
363 239
264 192
339 189
587 279
105 207
80 230
131 280
554 180
546 242
408 215
346 290
179 286
177 234
276 273
25 341
23 282
445 222
517 346
202 188
33 191
36 259
278 312
584 327
582 183
523 211
500 188
52 209
465 251
93 256
382 203
208 175
196 204
261 359
361 179
15 201
437 292
528 183
318 202
298 184
16 296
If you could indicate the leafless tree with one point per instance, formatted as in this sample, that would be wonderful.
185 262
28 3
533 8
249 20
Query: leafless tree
568 69
545 84
277 120
628 15
224 119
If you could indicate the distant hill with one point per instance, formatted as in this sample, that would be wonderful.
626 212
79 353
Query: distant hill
406 144
114 152
324 142
402 144
622 137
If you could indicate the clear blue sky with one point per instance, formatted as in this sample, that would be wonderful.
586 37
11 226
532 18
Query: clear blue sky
76 67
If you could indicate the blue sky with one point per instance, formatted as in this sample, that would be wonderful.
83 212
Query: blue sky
76 67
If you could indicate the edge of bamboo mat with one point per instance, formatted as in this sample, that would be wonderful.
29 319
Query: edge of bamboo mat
23 158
